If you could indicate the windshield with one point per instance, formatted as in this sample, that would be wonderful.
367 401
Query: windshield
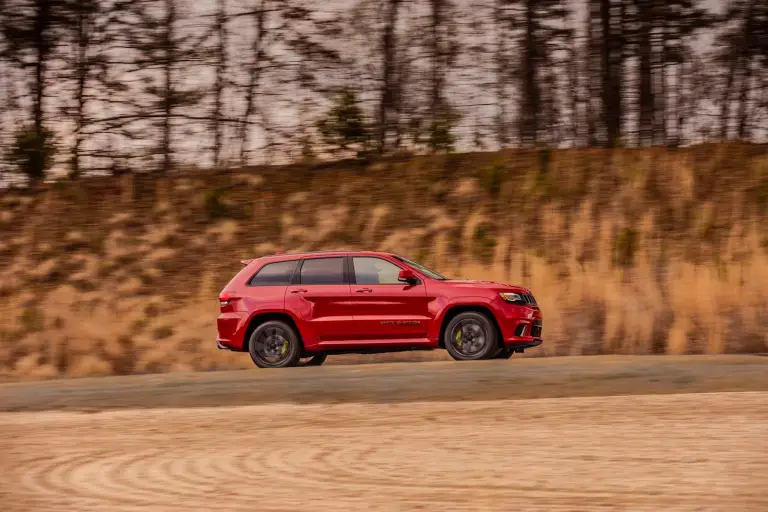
421 268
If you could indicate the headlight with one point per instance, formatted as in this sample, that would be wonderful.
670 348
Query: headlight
512 297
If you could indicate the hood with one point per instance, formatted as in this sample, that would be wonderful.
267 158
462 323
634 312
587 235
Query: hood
461 283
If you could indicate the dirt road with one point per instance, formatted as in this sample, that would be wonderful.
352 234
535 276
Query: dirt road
696 451
399 382
671 452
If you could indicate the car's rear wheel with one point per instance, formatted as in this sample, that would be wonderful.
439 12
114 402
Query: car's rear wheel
274 344
317 360
471 336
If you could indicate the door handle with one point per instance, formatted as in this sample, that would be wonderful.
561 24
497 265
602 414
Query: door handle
299 291
364 290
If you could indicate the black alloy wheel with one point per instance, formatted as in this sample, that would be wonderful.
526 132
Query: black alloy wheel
274 344
471 336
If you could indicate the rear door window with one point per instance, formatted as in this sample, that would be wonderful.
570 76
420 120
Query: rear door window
274 274
319 271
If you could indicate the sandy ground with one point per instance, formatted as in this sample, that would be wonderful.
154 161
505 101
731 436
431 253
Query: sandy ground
666 452
512 439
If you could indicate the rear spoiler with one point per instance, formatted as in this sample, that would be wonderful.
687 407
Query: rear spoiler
248 262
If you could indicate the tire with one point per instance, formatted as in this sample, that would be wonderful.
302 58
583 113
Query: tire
317 360
274 344
468 345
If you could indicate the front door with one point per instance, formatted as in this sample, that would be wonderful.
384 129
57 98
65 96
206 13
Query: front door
383 307
319 296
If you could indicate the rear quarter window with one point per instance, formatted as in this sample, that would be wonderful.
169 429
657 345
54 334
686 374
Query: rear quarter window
274 274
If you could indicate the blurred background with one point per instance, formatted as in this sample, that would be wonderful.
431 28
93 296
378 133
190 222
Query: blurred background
609 154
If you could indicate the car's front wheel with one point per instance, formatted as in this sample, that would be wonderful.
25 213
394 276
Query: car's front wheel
471 336
274 344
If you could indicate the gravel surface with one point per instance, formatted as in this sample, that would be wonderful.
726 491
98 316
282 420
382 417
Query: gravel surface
399 382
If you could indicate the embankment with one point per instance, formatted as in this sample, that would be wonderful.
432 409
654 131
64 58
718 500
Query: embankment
631 251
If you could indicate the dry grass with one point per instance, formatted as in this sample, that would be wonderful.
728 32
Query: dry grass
631 252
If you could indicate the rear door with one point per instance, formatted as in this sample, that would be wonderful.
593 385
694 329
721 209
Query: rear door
383 307
319 296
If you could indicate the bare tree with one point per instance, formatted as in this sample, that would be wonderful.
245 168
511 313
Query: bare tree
501 60
258 61
389 83
220 86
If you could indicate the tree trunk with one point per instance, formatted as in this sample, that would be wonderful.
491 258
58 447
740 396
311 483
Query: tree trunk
531 100
42 24
501 75
168 89
594 71
725 101
254 76
572 70
611 79
746 82
740 54
388 82
221 71
662 110
746 72
645 73
83 44
436 82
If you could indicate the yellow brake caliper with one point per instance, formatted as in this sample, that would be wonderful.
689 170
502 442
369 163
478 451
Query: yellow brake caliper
285 348
459 343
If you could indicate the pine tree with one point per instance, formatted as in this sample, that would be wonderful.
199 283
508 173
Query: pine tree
33 30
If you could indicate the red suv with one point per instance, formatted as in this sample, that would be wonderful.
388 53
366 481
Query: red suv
288 307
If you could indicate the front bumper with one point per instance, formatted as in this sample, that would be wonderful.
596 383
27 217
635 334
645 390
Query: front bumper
522 328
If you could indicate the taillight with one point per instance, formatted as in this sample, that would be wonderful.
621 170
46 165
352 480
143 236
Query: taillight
225 300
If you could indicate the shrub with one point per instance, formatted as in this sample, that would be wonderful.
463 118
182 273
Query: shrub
343 126
625 246
483 245
492 179
162 333
32 320
32 152
213 204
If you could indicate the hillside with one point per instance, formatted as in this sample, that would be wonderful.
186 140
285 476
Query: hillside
631 251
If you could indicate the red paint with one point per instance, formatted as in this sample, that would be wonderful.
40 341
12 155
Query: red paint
353 317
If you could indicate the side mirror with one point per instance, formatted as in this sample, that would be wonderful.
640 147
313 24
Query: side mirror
407 276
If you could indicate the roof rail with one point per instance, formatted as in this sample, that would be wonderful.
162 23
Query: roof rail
330 251
314 252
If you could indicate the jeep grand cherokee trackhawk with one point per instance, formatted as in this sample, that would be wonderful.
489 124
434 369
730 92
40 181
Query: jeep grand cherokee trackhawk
288 307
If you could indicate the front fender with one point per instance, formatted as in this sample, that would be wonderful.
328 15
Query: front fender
443 307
